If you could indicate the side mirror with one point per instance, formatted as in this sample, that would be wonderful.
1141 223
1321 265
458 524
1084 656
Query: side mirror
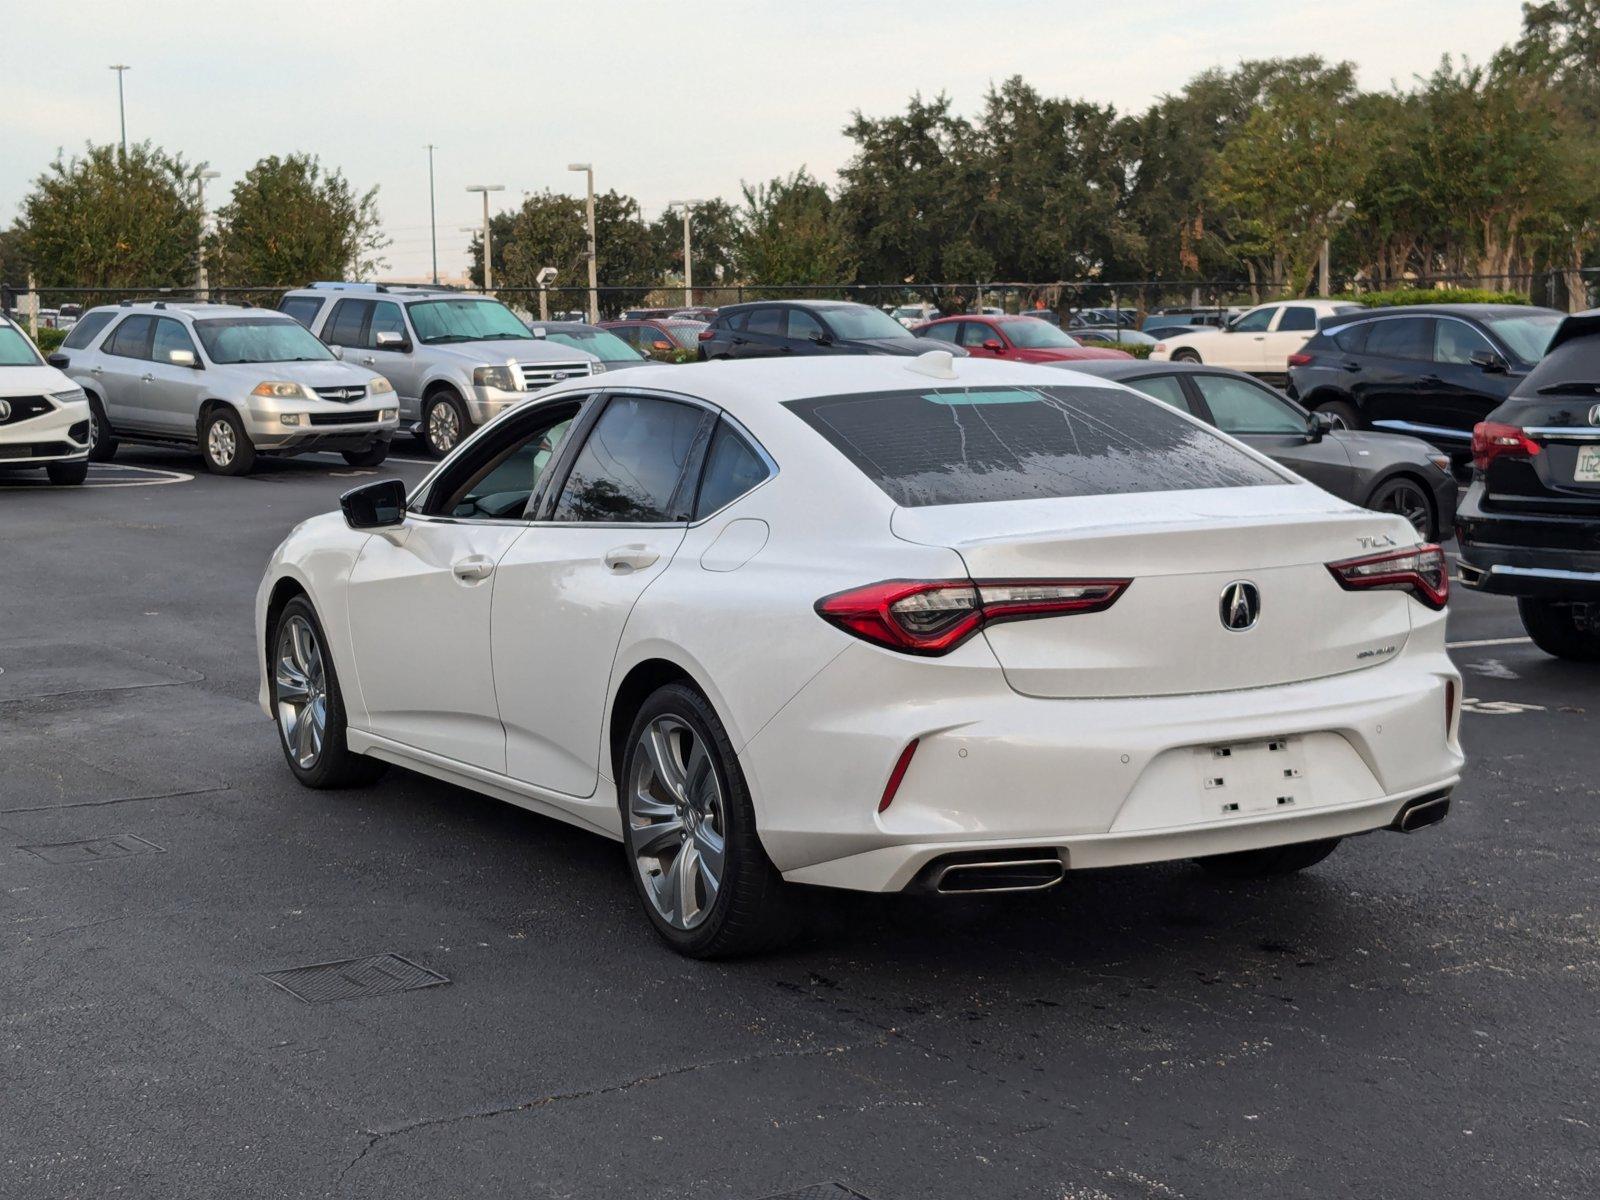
660 345
388 339
1318 426
336 351
994 345
58 360
183 358
379 505
1488 362
822 339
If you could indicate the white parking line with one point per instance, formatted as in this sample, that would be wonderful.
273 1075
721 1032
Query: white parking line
1511 641
95 480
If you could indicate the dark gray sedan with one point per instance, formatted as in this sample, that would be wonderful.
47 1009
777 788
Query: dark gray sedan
1388 472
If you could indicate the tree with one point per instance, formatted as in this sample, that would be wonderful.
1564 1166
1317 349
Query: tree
289 222
549 230
112 220
792 234
714 228
1285 176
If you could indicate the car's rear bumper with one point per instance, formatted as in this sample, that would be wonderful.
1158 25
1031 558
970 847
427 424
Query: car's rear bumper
1099 782
1548 555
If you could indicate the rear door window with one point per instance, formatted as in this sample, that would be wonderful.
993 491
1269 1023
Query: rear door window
732 468
86 330
769 321
1352 339
1297 318
1402 337
971 445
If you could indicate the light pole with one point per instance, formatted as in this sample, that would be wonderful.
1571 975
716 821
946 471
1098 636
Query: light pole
488 248
594 277
1337 215
202 279
688 207
433 216
122 112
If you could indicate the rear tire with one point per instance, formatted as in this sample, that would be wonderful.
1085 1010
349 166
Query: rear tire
304 688
102 442
372 456
1407 498
1269 862
1565 630
689 832
67 473
224 445
1345 415
1186 355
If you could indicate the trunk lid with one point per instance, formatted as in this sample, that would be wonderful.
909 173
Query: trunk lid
1165 635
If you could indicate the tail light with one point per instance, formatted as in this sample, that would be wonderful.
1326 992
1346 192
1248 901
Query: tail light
1300 359
1423 572
933 617
705 335
1492 440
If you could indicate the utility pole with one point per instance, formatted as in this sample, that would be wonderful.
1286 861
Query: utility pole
594 275
202 281
688 207
122 112
488 247
433 217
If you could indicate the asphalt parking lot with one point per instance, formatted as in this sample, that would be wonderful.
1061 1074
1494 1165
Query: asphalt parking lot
1416 1016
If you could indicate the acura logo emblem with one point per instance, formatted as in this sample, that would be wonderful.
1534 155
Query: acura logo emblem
1594 415
1241 606
5 410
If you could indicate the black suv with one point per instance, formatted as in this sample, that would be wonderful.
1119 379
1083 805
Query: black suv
1529 525
766 328
1431 370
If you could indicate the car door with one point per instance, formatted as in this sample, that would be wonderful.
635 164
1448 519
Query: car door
420 597
172 391
1241 345
1292 329
124 361
1266 421
1461 393
564 590
1396 363
396 360
765 334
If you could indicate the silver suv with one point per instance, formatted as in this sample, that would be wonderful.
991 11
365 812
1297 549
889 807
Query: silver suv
230 380
456 359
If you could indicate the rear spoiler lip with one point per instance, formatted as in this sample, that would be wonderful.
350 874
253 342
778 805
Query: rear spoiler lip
1577 325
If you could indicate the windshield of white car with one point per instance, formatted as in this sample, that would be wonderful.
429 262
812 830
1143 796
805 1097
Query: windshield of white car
1528 337
857 322
15 348
465 320
259 340
975 445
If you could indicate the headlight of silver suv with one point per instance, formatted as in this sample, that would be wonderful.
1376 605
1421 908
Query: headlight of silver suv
495 377
274 389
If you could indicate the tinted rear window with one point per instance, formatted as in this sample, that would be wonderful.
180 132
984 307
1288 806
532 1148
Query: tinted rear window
970 445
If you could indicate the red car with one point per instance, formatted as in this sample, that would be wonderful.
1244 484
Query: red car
658 338
1019 338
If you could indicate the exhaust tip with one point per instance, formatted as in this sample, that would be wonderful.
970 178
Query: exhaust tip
983 872
1422 812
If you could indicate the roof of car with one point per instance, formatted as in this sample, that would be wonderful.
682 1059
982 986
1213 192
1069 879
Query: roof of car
190 308
1459 310
729 309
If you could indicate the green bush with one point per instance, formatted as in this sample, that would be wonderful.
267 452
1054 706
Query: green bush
48 339
1432 296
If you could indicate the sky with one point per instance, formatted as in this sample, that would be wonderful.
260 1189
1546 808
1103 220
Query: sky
669 99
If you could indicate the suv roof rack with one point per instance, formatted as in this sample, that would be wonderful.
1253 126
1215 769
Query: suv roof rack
334 285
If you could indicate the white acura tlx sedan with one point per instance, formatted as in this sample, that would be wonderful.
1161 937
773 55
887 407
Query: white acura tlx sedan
872 623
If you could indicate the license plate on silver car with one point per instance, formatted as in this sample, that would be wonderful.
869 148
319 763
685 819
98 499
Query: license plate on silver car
1588 468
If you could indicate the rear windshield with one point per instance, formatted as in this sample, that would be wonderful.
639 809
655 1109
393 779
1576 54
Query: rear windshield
1572 367
970 445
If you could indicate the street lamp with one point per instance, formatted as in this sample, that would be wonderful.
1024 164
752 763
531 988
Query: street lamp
202 280
594 278
122 112
688 207
433 216
488 269
1337 215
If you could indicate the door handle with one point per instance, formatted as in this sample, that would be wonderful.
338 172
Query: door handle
474 569
1430 379
1350 366
95 370
625 559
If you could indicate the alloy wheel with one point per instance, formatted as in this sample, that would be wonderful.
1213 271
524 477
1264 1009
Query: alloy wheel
677 822
444 426
302 691
94 429
1408 501
221 443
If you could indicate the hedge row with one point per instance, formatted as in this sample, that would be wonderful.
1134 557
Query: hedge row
1433 296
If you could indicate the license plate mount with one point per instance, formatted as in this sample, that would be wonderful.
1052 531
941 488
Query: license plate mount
1244 779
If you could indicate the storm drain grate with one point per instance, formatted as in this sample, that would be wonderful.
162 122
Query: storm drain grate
354 978
94 849
819 1191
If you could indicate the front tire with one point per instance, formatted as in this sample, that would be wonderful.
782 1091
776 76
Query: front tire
444 423
224 445
308 706
102 442
689 831
67 473
372 456
1269 862
1565 630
